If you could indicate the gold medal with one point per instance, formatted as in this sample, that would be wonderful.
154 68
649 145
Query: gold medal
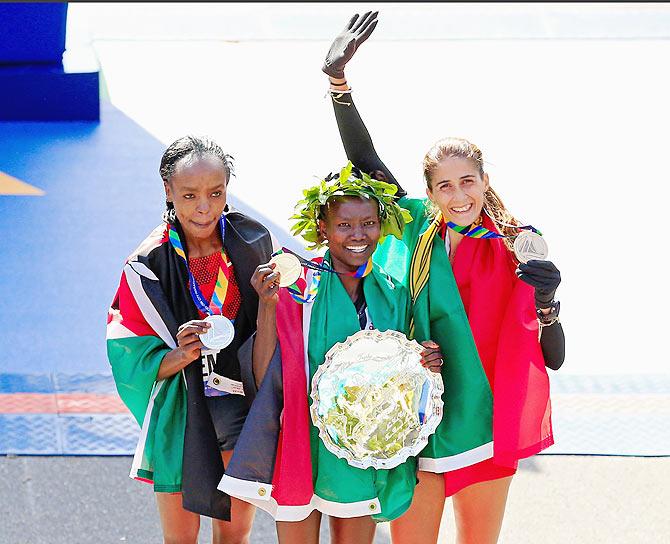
289 268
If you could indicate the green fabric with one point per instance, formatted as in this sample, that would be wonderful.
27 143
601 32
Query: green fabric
135 362
439 315
394 255
333 319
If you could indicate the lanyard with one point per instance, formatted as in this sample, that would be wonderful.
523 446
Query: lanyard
475 230
304 294
215 306
360 272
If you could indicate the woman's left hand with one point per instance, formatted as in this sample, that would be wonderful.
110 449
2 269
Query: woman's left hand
265 281
544 276
345 44
431 356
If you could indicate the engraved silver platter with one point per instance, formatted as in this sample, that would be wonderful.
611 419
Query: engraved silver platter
373 402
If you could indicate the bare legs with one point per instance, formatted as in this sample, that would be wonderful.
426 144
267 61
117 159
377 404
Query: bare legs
479 511
352 530
359 530
300 532
242 513
181 526
421 523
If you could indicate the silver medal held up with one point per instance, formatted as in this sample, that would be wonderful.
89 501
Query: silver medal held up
529 246
373 402
220 334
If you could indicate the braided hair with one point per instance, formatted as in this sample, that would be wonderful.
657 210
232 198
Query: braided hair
190 148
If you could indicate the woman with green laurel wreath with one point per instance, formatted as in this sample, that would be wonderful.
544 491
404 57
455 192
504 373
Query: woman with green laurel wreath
468 291
280 463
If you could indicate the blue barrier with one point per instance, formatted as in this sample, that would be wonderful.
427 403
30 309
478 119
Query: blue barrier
32 32
35 85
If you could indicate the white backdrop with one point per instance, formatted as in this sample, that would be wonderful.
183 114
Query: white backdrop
568 103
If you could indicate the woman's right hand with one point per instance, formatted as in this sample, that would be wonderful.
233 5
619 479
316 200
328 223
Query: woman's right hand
188 339
345 44
187 350
266 283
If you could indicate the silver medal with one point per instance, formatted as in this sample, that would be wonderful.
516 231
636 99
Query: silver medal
289 268
220 334
529 245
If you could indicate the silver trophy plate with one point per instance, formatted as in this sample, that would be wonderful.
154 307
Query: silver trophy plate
289 268
529 245
373 402
220 334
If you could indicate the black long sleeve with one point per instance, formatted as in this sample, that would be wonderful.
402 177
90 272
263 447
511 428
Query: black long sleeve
356 139
361 152
553 345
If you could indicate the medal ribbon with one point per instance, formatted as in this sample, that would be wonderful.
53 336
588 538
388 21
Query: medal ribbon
421 257
475 230
215 306
360 272
309 295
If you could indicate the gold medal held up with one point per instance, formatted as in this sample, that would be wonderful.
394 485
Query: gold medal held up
289 268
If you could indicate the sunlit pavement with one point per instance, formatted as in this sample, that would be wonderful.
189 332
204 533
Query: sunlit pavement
553 500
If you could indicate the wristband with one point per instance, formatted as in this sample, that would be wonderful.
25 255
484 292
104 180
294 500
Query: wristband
334 94
552 316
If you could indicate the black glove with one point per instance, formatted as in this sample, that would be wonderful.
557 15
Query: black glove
345 44
544 276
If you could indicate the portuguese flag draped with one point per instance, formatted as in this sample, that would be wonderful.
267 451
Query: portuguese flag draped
501 311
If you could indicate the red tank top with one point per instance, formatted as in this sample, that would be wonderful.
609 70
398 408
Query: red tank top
205 271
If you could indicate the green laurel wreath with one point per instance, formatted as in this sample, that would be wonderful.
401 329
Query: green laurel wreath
307 211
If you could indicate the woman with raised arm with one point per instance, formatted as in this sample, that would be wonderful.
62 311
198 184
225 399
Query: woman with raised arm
455 235
174 366
281 464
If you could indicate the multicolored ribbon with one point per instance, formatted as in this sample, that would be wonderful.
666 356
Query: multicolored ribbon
300 293
476 230
421 257
215 305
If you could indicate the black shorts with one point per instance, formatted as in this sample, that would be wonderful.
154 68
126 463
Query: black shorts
228 414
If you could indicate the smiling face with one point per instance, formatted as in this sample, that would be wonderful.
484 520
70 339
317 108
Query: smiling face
457 187
352 227
197 189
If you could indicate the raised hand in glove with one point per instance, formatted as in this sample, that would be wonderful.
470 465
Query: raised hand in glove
345 44
544 276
